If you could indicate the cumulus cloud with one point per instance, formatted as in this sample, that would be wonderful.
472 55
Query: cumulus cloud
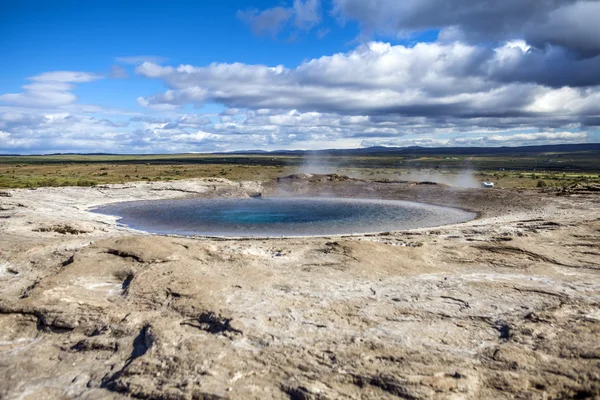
57 131
305 13
49 89
267 129
443 82
569 23
47 132
501 73
173 98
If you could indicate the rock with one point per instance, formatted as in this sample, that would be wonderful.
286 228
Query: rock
115 313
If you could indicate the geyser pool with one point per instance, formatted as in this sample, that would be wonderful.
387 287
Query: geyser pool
261 217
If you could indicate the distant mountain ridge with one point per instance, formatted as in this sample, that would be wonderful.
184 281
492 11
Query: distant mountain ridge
383 150
417 150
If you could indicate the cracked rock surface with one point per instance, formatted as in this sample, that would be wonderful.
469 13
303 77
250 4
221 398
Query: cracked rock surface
505 306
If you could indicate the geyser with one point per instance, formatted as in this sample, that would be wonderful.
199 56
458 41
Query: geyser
279 216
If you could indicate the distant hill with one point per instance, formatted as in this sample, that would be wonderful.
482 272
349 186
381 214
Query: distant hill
382 150
416 150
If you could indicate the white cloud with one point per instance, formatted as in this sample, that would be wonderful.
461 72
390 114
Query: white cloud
37 131
547 137
478 140
446 93
49 89
65 76
442 82
41 96
173 98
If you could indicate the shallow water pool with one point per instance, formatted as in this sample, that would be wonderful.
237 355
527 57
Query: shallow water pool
260 217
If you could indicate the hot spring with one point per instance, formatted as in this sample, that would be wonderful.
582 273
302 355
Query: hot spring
262 217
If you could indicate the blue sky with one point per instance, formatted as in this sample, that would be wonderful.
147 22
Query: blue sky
157 76
90 36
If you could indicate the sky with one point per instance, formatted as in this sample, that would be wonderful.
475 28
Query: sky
197 76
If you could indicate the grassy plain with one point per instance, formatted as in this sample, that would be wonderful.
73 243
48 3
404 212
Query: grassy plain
513 170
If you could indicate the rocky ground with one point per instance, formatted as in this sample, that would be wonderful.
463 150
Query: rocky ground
505 306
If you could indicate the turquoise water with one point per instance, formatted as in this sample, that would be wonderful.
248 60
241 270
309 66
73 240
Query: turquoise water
279 216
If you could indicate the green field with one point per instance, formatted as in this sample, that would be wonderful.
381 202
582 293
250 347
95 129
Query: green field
521 169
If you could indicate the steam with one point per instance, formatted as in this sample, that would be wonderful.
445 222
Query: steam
322 163
318 163
462 179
